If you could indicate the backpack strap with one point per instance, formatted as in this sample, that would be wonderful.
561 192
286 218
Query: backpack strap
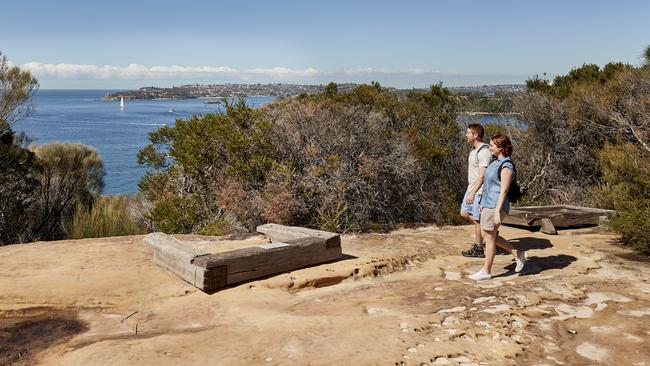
501 168
479 150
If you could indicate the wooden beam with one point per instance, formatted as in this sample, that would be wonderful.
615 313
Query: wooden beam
548 227
255 262
292 248
284 233
561 216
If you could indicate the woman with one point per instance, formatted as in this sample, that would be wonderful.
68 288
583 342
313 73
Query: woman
495 205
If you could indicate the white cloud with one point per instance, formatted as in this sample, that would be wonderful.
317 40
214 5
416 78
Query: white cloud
133 75
136 72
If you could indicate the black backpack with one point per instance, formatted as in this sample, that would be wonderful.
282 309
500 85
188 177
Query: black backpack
514 192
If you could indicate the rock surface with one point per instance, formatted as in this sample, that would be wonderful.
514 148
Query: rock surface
400 298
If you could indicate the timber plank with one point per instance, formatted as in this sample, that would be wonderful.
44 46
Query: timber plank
296 248
169 245
284 233
560 216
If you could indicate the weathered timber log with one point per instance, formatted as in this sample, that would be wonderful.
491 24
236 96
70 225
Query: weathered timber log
176 256
284 233
548 227
560 216
293 248
255 262
171 246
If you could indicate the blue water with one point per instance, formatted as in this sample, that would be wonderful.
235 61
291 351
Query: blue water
83 116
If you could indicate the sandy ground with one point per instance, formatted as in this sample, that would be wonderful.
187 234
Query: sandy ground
396 299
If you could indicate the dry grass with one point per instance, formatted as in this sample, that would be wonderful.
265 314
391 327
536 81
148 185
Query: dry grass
109 216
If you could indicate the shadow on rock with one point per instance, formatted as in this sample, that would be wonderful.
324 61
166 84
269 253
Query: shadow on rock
528 243
535 265
26 332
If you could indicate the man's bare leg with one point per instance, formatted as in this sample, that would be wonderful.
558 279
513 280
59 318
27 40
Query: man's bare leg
478 233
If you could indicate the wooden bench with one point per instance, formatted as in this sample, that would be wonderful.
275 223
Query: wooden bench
550 218
290 248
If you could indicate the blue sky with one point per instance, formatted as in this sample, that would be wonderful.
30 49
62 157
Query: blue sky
128 44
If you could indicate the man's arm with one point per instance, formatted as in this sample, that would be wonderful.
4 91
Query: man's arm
477 185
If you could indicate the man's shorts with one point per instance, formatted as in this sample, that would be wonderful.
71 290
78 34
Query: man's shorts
472 209
487 223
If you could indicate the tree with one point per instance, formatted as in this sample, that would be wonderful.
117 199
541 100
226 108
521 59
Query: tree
72 176
18 166
331 89
17 87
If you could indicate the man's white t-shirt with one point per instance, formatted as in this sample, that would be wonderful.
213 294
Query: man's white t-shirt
474 163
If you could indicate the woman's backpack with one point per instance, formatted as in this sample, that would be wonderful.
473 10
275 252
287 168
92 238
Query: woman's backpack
514 192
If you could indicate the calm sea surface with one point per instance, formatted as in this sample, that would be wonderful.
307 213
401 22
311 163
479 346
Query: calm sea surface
82 116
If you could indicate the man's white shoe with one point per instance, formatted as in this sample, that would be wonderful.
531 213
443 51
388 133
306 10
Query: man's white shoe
520 261
481 276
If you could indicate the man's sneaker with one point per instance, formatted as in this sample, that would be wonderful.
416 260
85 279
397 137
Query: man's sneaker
476 251
481 275
501 251
520 261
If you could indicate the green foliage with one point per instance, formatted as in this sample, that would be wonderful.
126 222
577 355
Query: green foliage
564 85
18 166
109 216
331 90
18 182
176 214
477 102
72 176
340 161
538 84
493 129
17 87
587 143
627 174
194 159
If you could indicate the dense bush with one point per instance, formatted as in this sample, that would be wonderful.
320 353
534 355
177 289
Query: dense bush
556 159
18 166
19 169
108 216
588 141
627 175
71 176
349 161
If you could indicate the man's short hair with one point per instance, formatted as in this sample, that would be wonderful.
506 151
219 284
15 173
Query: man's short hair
477 128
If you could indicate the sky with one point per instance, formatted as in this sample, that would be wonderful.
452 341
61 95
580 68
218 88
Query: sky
87 44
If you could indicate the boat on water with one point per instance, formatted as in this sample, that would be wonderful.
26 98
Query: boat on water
122 103
172 110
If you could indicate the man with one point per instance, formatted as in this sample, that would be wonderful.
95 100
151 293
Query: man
479 159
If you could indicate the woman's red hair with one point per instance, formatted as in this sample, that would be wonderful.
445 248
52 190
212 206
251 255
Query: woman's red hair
503 143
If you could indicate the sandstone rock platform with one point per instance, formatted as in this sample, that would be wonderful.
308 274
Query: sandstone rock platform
401 298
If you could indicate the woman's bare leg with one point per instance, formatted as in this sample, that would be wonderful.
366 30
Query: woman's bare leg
503 243
490 249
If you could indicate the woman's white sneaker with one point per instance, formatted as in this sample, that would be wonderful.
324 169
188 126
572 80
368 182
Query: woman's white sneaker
481 276
520 261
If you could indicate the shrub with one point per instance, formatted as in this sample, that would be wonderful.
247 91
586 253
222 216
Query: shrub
339 161
109 216
627 174
19 168
72 176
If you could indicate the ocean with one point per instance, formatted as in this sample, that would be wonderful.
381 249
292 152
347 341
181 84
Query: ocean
83 116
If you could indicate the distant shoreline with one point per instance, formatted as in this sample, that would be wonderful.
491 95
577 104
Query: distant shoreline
193 91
